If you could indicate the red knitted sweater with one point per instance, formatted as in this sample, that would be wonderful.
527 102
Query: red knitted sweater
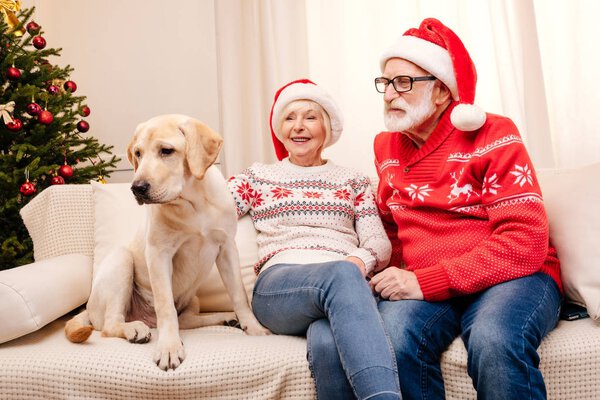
464 211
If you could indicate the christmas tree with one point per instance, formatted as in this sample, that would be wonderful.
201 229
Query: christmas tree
41 129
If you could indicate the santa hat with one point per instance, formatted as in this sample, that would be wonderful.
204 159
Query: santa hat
303 89
436 49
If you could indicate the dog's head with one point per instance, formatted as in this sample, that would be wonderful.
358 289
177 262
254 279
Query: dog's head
165 152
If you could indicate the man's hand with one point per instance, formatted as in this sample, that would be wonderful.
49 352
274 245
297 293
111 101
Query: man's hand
397 284
359 264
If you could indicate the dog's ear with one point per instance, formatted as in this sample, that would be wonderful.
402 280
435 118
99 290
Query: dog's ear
202 146
130 156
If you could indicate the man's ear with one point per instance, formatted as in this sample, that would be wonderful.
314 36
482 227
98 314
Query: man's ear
202 146
442 94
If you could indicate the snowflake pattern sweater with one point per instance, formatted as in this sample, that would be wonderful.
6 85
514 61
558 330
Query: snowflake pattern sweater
464 211
311 214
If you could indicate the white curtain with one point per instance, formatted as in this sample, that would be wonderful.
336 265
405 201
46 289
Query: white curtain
536 64
261 45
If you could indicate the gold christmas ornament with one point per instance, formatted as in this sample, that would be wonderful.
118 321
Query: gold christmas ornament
6 110
8 9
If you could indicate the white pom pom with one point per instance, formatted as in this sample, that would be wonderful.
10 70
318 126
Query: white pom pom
467 117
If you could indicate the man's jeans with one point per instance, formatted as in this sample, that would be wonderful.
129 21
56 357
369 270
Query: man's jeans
501 327
333 305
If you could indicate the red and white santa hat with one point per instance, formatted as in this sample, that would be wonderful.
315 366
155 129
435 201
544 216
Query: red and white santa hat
438 50
303 89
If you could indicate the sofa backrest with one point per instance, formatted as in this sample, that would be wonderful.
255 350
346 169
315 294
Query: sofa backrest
92 219
60 221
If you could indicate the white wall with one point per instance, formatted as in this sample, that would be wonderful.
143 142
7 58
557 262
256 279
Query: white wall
135 59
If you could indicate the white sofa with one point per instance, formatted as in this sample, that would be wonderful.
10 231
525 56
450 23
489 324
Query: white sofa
73 226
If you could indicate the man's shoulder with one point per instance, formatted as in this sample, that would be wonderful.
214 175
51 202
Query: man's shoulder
383 140
386 135
496 121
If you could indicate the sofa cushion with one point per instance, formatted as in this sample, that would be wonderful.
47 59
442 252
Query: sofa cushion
118 216
571 198
34 295
221 363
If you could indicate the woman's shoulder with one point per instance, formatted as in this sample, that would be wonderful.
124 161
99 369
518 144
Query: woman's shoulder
350 173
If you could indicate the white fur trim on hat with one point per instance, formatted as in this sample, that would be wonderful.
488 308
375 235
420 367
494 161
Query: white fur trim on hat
429 56
308 91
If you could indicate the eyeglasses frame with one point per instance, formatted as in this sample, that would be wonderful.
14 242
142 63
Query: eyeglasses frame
411 78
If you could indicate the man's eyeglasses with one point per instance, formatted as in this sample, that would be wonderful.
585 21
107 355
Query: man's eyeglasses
401 83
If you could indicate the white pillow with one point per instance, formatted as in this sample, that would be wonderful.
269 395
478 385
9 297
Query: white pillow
34 295
572 201
118 216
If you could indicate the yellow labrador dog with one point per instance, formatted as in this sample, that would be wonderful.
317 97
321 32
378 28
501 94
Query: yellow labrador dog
190 225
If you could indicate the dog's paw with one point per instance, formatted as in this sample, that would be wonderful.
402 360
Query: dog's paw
169 356
233 323
137 332
255 329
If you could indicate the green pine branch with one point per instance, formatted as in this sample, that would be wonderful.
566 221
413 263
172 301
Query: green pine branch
39 149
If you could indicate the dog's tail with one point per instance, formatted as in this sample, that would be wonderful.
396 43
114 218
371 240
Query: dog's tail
79 328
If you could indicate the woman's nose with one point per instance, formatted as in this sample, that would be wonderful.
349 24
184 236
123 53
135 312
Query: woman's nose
298 124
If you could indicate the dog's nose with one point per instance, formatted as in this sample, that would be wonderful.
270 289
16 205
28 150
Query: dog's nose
140 188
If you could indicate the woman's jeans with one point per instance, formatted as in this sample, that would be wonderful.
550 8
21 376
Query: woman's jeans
333 305
501 327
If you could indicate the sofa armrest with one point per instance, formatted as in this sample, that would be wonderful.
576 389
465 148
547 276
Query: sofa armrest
35 294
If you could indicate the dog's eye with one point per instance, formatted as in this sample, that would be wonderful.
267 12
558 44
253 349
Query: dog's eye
166 151
137 153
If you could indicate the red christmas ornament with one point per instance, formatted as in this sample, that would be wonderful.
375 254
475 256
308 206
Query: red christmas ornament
32 27
13 73
70 85
39 42
45 117
27 189
57 180
85 111
65 171
83 126
15 126
53 89
33 109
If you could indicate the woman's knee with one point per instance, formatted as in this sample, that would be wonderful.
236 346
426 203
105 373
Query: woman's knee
346 270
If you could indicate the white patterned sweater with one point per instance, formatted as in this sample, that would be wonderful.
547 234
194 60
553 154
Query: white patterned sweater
306 215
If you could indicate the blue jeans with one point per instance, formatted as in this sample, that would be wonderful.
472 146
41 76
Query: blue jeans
501 327
348 351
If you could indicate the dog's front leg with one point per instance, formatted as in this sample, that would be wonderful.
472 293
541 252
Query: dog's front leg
228 265
169 349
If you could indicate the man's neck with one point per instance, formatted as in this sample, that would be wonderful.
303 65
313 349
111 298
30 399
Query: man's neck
419 134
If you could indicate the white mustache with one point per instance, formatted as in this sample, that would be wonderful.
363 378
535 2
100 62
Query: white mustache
399 103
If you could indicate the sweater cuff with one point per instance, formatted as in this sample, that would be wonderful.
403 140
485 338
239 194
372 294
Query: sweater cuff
366 257
434 283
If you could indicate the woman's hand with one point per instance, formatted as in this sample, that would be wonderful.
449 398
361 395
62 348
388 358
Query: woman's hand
359 264
397 284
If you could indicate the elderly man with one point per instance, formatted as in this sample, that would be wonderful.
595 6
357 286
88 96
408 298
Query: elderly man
461 204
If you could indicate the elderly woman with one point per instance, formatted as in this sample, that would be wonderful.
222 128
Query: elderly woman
319 235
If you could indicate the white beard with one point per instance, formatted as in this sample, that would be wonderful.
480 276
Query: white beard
413 116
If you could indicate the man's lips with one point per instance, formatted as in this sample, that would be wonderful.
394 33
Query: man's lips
395 110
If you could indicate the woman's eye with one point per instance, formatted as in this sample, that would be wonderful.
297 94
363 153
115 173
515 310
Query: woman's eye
166 152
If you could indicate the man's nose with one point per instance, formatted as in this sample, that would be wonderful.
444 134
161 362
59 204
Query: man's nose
390 93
